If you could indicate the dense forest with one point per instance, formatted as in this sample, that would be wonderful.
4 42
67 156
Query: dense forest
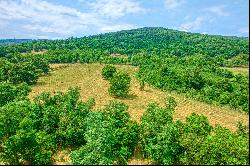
160 41
170 60
13 41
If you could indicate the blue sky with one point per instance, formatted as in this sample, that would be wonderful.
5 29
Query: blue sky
65 18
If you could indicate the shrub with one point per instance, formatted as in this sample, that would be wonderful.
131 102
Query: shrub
24 72
142 85
193 133
10 92
204 145
224 147
108 71
120 84
31 131
159 134
111 137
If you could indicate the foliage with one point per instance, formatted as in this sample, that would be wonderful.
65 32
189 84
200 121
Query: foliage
9 92
17 69
111 137
197 77
194 142
31 131
119 84
224 147
159 134
193 133
147 40
108 71
239 60
202 144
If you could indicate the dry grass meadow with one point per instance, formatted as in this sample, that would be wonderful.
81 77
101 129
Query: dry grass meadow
237 70
88 78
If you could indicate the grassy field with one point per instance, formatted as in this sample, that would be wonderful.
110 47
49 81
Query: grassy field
238 70
88 78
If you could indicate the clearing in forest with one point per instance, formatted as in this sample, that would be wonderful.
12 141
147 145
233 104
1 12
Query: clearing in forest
88 78
238 70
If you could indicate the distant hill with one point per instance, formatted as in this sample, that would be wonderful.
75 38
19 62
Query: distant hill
13 41
167 41
150 40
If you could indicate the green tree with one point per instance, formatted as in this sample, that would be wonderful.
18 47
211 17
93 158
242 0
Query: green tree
159 135
111 137
119 85
108 71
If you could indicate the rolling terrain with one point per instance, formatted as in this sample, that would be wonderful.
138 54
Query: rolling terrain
66 75
187 104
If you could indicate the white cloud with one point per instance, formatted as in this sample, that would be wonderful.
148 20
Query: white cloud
244 30
117 27
218 10
40 16
116 8
173 4
192 25
40 36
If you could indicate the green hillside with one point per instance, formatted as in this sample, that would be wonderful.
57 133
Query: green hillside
13 41
160 41
156 95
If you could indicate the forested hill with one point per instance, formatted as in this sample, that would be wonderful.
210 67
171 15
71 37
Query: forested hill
13 41
167 41
160 41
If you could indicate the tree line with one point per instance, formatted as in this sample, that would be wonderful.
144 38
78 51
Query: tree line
33 131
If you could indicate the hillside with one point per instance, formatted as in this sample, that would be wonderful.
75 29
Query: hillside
65 75
160 41
13 41
148 95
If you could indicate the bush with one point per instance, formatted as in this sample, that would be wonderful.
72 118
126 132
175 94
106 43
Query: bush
108 71
193 133
120 84
204 145
24 72
224 147
159 134
28 145
111 137
9 92
31 131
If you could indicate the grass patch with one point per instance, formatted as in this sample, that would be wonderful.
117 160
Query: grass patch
88 78
238 70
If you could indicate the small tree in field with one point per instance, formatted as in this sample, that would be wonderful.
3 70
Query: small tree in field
119 85
108 71
142 85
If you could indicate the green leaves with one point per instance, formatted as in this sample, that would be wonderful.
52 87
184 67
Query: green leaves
111 137
119 85
119 81
10 92
198 77
31 131
108 71
194 142
159 135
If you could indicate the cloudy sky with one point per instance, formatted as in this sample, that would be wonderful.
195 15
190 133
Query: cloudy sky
65 18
